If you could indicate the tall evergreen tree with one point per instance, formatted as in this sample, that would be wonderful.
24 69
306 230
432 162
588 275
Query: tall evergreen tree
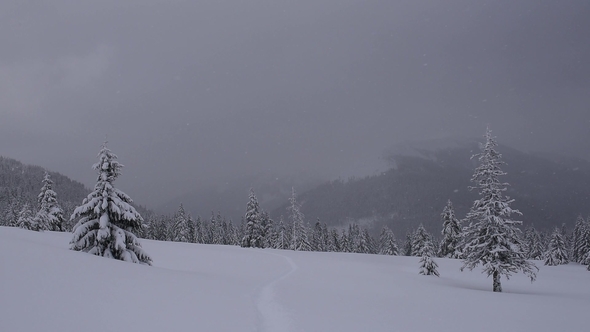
366 243
317 239
492 238
344 245
579 245
282 241
191 236
451 232
335 241
354 238
387 243
199 230
253 236
107 219
407 248
180 229
584 245
12 210
299 239
535 248
557 250
50 214
267 225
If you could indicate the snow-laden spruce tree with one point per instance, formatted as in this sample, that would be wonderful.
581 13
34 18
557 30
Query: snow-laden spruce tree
387 242
492 238
580 242
366 243
299 239
282 240
179 232
535 248
25 219
451 232
557 251
50 215
253 234
107 220
427 265
419 239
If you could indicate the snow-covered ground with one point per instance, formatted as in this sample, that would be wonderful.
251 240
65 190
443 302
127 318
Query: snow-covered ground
46 287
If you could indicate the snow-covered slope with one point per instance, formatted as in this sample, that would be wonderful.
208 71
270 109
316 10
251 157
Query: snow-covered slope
46 287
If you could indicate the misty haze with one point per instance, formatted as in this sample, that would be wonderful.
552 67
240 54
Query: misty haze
347 127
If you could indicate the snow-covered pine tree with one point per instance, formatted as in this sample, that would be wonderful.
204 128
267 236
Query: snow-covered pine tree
282 241
326 237
107 220
427 265
50 214
180 230
557 251
224 231
157 228
267 225
317 243
25 219
407 248
387 242
232 234
12 211
254 231
535 248
299 239
344 245
451 232
216 229
192 230
584 246
419 240
199 231
578 241
367 243
335 242
354 238
492 238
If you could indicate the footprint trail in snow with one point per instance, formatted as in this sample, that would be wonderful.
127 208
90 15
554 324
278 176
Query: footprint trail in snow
273 316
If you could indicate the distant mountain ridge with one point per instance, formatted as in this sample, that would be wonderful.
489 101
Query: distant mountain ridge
23 182
548 191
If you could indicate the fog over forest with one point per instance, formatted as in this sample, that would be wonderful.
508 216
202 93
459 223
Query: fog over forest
192 94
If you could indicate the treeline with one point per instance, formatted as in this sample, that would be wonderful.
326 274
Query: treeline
257 229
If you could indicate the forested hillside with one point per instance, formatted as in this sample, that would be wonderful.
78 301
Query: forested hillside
20 184
548 191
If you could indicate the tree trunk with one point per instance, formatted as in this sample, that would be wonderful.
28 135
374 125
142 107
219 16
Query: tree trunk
497 284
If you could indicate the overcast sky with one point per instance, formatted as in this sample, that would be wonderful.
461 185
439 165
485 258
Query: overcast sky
194 92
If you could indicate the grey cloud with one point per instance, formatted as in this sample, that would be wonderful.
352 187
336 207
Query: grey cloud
194 92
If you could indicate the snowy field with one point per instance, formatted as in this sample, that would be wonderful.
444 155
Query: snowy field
46 287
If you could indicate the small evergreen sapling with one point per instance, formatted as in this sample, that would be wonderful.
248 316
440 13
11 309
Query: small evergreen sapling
106 218
427 265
